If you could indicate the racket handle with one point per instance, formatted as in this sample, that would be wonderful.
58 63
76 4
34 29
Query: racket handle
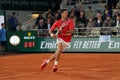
57 33
59 30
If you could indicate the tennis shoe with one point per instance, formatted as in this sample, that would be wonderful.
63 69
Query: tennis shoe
55 68
43 65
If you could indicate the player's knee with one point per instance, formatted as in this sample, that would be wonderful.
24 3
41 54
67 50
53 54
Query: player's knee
60 49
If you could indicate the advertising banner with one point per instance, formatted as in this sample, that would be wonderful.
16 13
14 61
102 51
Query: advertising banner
83 45
28 41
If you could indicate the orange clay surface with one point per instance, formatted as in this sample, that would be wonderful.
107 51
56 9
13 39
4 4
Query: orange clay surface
72 66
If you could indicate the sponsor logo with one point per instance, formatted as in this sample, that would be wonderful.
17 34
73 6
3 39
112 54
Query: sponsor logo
29 36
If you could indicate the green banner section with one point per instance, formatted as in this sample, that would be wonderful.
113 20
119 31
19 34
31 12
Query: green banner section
83 45
29 42
22 41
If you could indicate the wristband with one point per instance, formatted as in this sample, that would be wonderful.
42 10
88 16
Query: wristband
51 34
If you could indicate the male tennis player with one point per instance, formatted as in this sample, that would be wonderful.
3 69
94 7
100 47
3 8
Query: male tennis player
65 30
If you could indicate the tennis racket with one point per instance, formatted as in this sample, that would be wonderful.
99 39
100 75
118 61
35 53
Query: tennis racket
62 25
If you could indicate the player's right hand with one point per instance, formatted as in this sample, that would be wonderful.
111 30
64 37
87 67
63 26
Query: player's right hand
53 35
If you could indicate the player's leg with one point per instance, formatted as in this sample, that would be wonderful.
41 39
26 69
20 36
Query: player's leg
57 53
55 56
61 47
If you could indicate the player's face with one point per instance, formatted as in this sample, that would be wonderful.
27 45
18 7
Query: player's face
65 14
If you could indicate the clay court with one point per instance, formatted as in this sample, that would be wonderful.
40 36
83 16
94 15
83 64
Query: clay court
72 66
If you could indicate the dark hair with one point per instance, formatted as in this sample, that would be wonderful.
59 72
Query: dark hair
2 24
62 10
13 13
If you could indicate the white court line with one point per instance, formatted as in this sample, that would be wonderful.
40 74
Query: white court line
100 69
18 75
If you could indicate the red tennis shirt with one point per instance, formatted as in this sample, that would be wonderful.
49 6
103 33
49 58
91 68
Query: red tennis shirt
66 25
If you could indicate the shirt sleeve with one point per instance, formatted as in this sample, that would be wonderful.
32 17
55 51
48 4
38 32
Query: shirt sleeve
55 24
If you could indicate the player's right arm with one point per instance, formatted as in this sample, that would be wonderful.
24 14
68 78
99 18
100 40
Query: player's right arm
55 24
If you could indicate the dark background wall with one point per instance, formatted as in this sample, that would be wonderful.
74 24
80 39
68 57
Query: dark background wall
35 5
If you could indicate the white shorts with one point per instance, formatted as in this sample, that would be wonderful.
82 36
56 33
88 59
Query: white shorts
65 44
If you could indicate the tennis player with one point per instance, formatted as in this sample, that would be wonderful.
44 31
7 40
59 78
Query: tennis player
65 28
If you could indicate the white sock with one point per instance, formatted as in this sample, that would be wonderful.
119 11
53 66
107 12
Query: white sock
56 63
47 61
